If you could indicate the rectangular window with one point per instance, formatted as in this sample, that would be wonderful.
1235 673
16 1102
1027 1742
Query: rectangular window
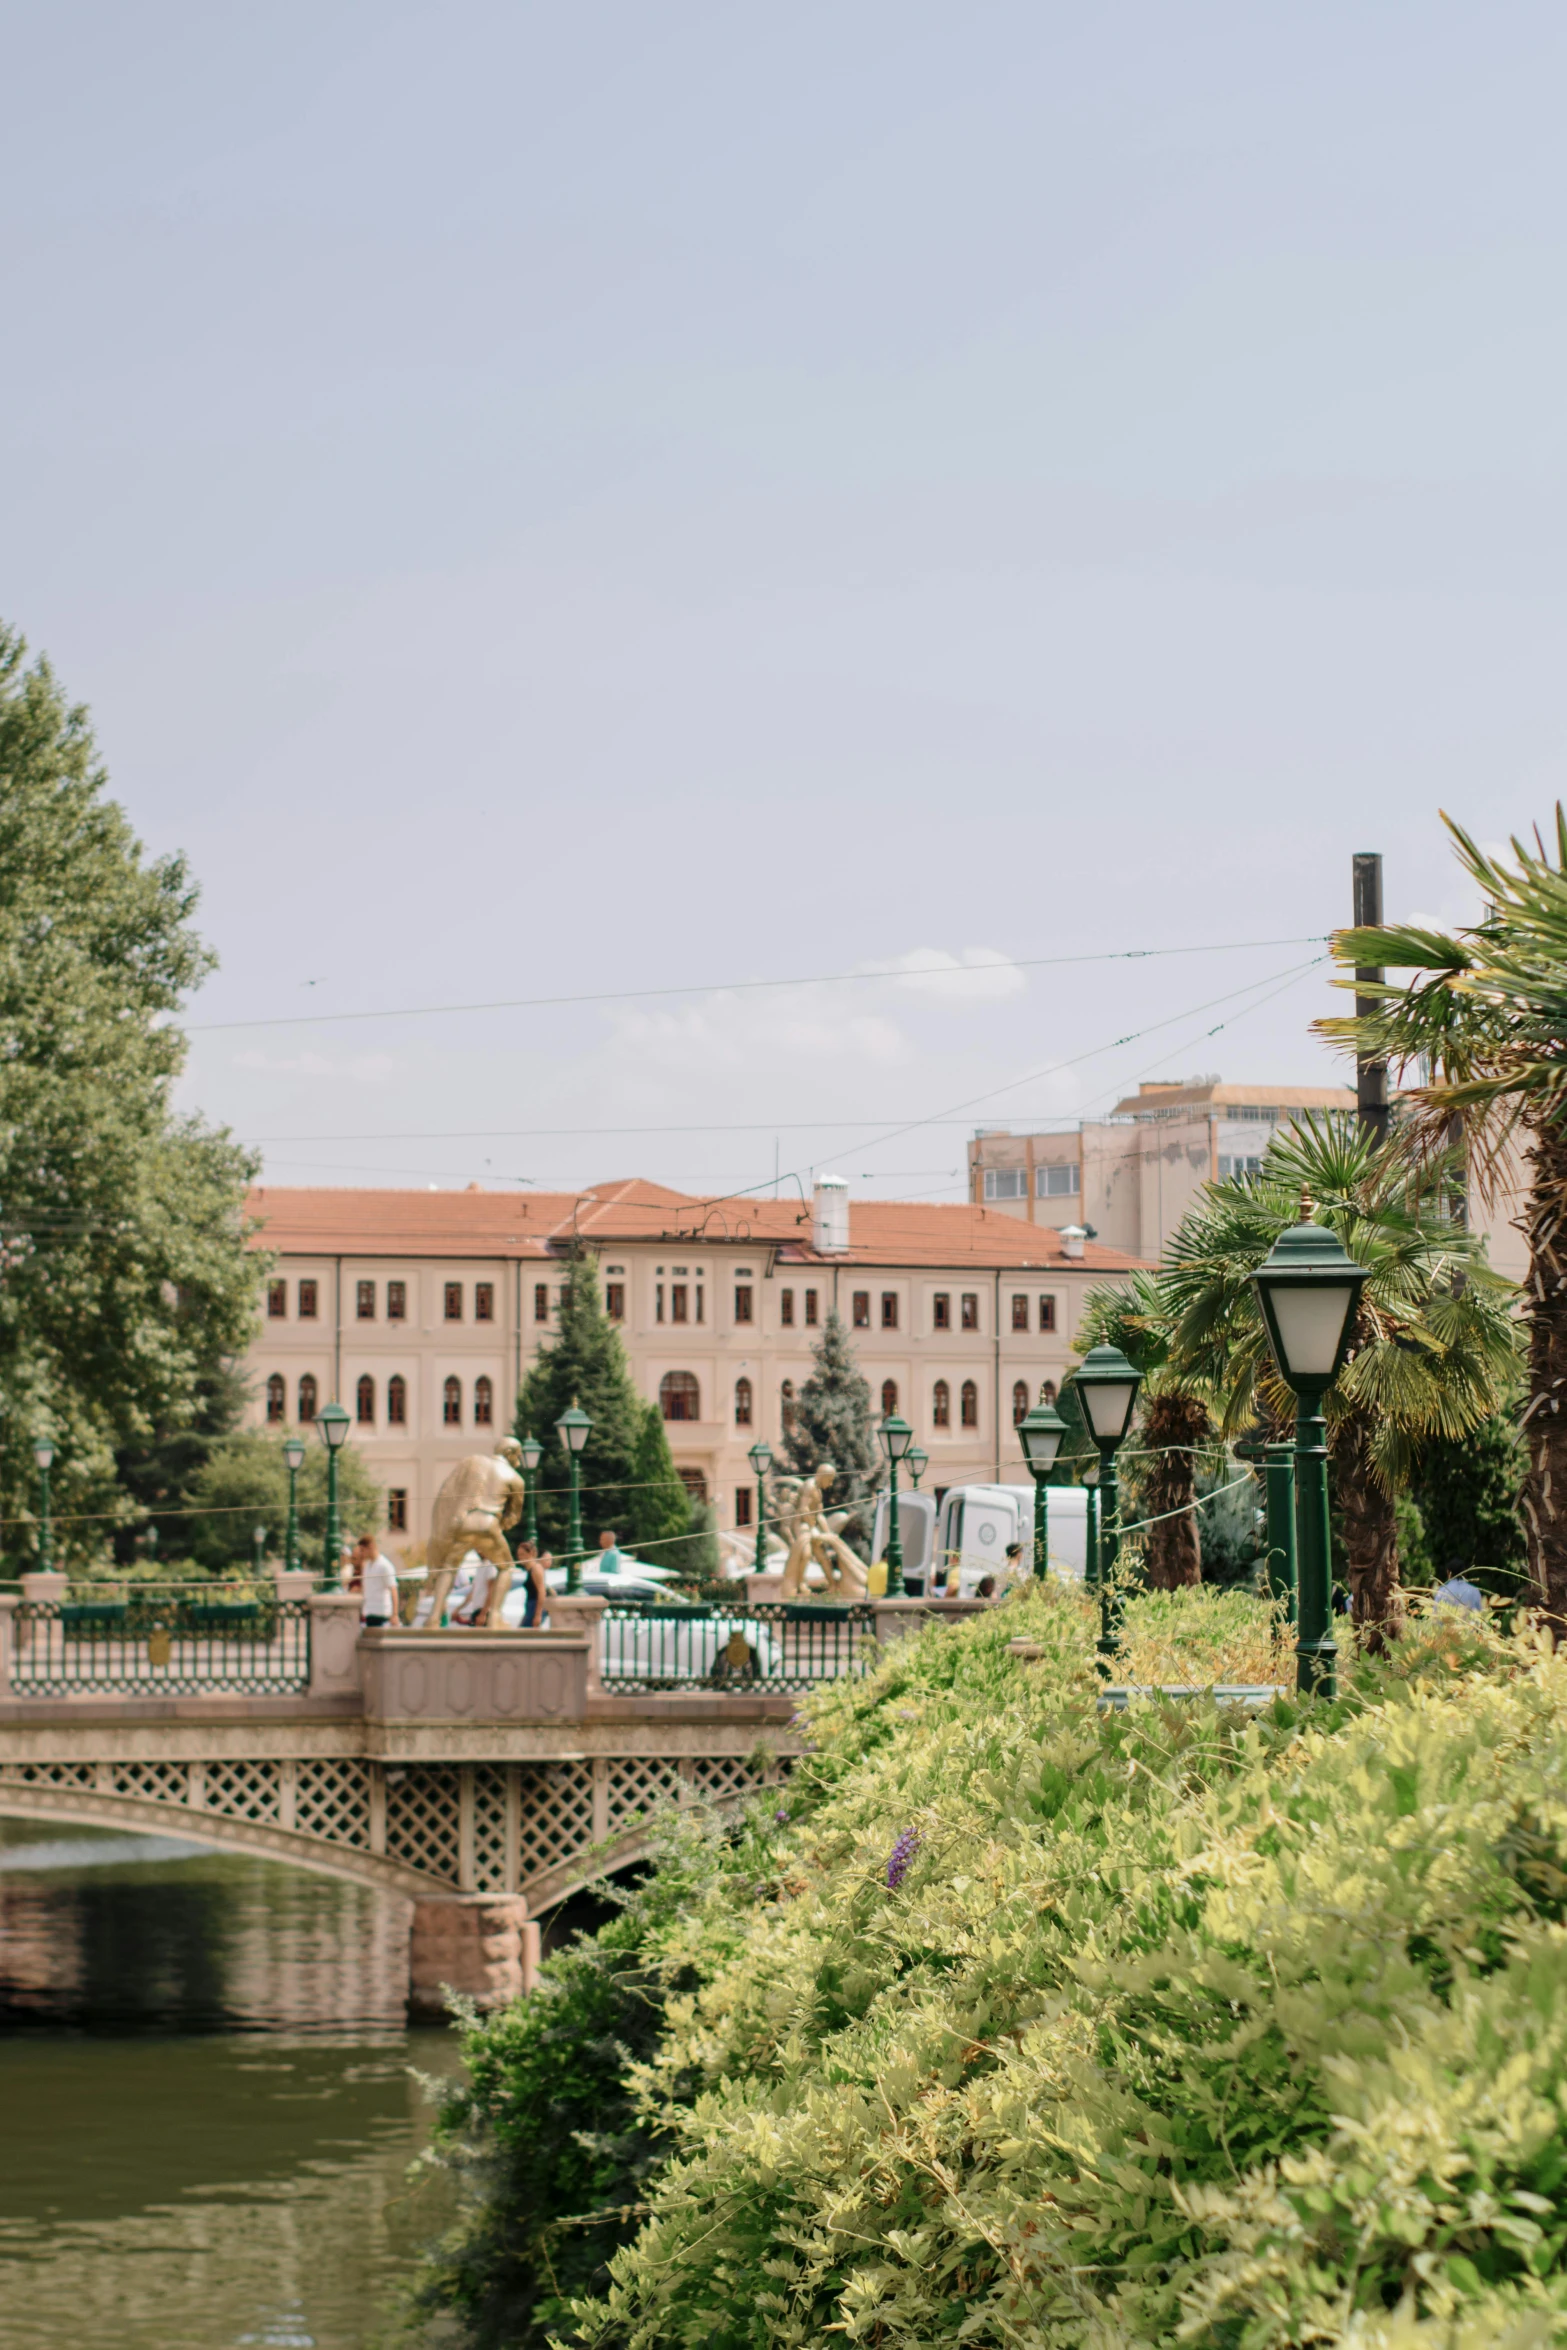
397 1301
862 1309
1047 1313
658 1301
1056 1182
941 1310
742 1505
364 1300
812 1316
615 1300
484 1301
679 1302
786 1309
397 1508
309 1294
277 1300
454 1301
1006 1183
541 1301
743 1296
1020 1313
889 1309
970 1309
700 1311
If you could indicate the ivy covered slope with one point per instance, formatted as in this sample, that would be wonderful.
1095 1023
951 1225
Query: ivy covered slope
1031 2027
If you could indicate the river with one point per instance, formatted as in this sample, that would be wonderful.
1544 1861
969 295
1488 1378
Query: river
207 2100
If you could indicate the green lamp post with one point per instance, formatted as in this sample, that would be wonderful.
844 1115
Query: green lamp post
1040 1434
894 1436
532 1452
918 1461
43 1454
258 1545
760 1457
332 1425
1279 1479
1309 1289
1107 1385
293 1461
572 1428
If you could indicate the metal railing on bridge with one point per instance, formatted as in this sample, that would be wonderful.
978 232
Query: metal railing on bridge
148 1640
768 1644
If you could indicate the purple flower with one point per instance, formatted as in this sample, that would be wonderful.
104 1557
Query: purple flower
900 1856
780 1815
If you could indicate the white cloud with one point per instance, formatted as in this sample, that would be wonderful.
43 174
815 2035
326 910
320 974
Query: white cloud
359 1068
974 975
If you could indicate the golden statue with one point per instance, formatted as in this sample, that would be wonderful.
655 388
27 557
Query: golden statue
812 1534
479 1499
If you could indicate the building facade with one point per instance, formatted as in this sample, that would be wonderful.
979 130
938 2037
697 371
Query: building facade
421 1311
1131 1177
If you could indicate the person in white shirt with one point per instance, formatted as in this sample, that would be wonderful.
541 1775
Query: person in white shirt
378 1584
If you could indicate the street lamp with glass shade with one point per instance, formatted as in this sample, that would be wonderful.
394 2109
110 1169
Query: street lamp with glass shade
760 1457
573 1428
894 1436
258 1542
1040 1432
1309 1289
1107 1386
43 1454
919 1461
531 1452
332 1427
293 1461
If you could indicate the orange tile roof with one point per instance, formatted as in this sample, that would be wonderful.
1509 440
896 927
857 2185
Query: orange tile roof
475 1223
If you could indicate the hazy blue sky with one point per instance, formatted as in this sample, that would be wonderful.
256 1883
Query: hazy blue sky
594 498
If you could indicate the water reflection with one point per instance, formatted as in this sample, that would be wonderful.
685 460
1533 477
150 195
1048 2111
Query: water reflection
208 2109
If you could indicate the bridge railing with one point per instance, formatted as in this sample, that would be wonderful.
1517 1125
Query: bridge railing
650 1644
161 1641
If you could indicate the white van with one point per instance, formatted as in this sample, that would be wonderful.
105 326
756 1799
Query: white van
916 1530
979 1522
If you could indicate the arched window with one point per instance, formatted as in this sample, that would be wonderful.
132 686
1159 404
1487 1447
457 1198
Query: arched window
941 1405
276 1393
1019 1404
307 1398
397 1401
679 1396
451 1404
364 1401
786 1404
889 1398
1047 1392
742 1403
970 1404
483 1402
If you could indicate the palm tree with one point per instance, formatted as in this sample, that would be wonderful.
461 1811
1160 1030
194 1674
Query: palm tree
1175 1424
1485 1028
1433 1350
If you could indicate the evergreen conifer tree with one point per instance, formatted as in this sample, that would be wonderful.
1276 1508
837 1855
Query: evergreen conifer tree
658 1515
832 1422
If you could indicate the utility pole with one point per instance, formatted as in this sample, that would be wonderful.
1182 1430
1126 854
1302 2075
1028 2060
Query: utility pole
1370 1076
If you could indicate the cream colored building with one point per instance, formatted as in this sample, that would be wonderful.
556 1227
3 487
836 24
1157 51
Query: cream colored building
420 1312
1131 1177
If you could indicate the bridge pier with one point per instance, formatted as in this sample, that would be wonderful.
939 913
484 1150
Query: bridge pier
483 1945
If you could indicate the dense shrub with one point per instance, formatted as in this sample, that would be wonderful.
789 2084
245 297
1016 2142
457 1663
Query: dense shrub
1171 2025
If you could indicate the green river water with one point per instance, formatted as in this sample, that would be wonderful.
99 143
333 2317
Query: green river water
208 2107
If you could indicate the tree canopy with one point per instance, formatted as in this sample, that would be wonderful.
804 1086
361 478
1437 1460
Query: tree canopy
831 1421
122 1237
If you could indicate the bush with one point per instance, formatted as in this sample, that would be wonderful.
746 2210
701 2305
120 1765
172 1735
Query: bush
1035 2027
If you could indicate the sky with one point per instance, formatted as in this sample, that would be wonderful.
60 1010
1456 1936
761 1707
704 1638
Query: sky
973 512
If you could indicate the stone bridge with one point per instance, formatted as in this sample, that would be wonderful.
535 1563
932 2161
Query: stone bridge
484 1776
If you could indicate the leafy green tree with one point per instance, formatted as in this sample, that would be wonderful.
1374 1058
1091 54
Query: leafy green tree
831 1421
1468 1489
124 1270
1483 1028
657 1508
1174 1426
1433 1352
158 1472
243 1483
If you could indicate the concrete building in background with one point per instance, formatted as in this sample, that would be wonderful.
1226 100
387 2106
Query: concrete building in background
1130 1177
420 1311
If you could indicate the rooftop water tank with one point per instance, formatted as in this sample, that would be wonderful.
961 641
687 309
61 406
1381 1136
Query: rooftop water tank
831 1233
